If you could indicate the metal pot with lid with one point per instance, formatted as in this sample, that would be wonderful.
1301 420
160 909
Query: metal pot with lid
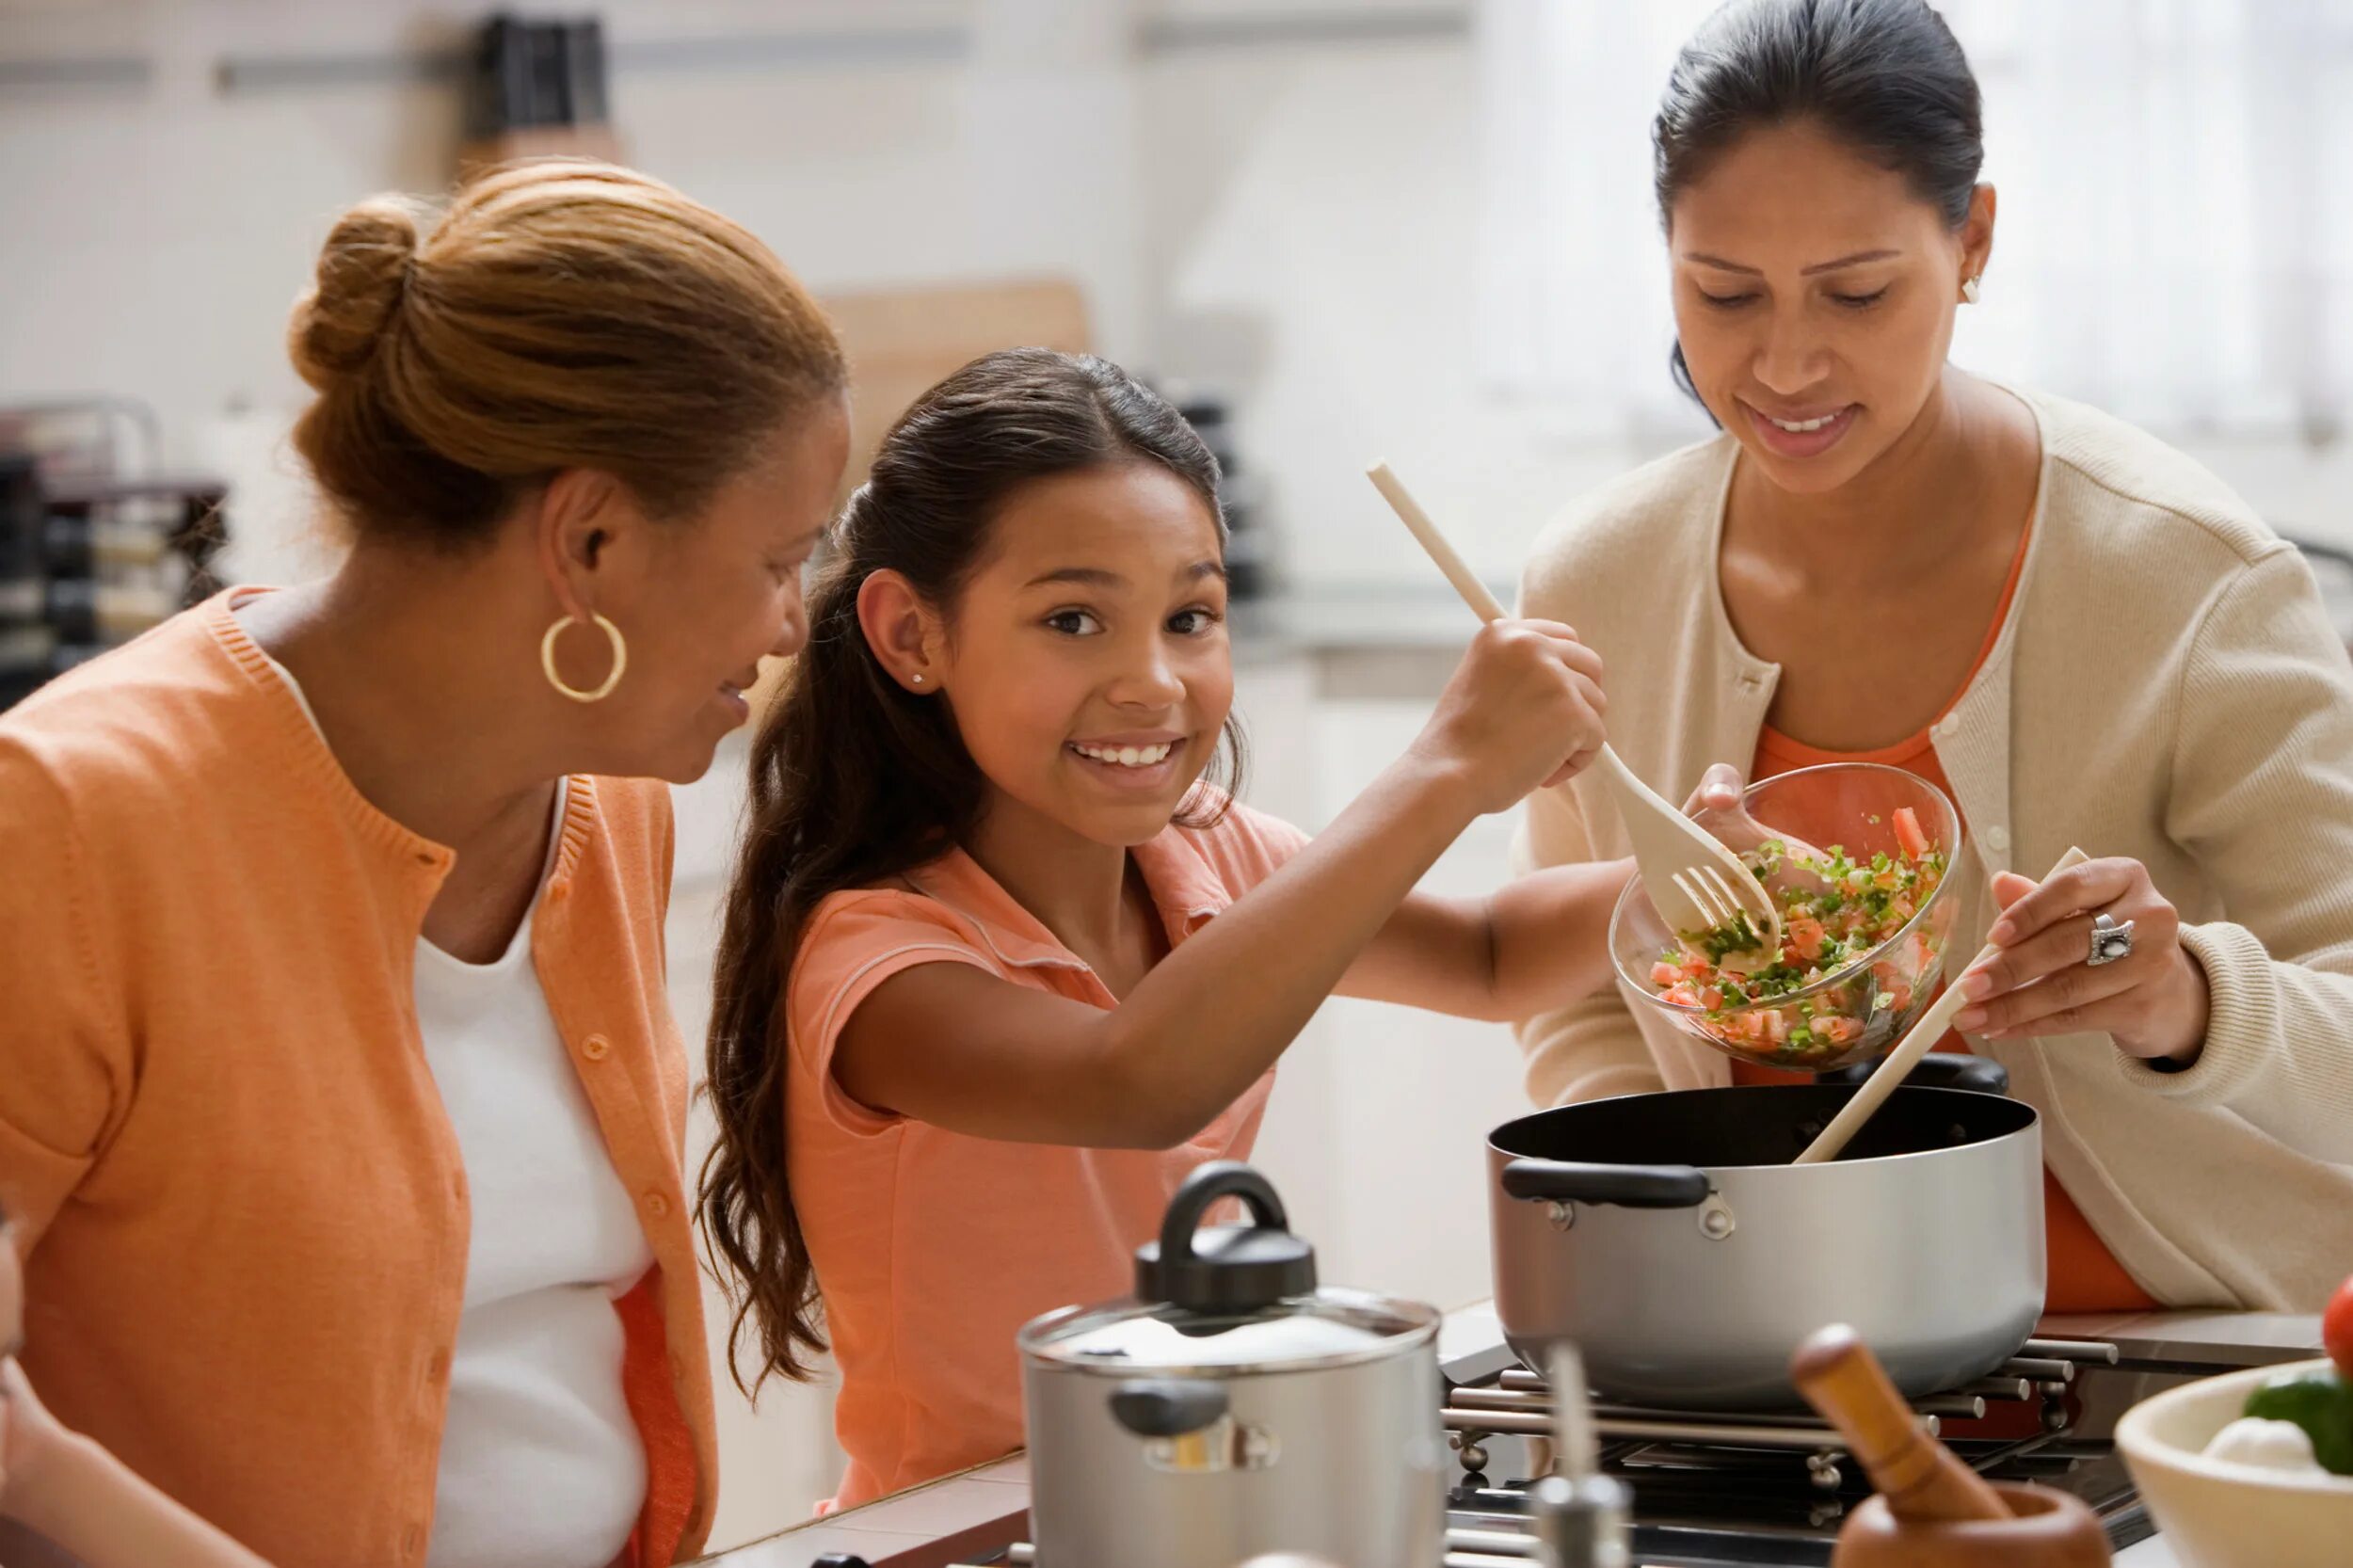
1233 1408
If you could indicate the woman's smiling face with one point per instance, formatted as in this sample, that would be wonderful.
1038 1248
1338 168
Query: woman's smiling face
1814 299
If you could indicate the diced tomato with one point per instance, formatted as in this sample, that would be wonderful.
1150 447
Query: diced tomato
1804 934
1914 842
1815 929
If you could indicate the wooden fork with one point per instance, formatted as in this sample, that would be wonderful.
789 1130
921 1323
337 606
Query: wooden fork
1696 882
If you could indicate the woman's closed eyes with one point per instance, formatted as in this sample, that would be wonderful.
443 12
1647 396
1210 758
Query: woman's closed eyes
1852 301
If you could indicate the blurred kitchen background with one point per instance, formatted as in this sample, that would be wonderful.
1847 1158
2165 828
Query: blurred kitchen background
1336 230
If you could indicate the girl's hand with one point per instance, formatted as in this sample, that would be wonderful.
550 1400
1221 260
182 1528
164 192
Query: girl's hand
28 1434
1524 708
2153 1001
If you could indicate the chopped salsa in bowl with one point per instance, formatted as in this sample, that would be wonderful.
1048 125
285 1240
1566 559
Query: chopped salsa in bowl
1862 927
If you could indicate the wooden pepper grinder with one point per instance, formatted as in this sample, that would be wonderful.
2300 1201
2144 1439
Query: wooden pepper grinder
1932 1511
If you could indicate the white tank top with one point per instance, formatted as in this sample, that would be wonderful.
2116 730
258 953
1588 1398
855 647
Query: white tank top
540 1465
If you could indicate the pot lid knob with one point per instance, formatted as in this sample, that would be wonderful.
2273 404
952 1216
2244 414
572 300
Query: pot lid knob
1227 1268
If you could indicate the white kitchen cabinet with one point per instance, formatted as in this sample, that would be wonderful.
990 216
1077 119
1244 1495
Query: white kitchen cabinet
1376 1134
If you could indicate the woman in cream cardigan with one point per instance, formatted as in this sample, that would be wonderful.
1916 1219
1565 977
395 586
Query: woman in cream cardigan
2085 635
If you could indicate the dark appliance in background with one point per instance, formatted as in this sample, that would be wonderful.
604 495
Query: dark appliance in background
538 87
90 557
1250 566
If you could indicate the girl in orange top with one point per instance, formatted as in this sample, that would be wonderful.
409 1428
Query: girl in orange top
343 1112
999 969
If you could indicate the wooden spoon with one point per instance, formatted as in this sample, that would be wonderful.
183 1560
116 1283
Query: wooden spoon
1926 1032
1694 881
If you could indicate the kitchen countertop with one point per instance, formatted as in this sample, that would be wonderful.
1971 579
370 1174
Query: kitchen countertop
962 1518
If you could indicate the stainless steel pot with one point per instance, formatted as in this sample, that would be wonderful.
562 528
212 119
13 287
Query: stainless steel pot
1669 1237
1233 1408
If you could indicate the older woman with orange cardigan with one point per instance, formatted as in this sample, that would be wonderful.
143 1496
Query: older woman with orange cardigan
342 1113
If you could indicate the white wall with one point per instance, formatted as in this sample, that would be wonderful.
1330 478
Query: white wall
1294 222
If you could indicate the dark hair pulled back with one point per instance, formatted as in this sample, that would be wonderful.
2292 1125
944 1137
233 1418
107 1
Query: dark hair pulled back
1885 78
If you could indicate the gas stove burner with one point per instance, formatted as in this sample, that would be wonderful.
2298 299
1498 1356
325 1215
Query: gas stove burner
1770 1491
2035 1383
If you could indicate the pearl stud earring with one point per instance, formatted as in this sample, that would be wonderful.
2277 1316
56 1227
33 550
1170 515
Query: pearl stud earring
1969 290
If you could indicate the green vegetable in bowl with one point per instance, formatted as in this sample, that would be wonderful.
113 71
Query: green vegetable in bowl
2321 1402
1840 912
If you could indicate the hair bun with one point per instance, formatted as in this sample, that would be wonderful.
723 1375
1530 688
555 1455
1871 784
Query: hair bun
362 274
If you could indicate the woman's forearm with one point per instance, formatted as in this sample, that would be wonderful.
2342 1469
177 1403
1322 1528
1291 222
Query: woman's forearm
91 1506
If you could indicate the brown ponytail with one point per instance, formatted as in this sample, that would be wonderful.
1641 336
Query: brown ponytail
854 780
560 314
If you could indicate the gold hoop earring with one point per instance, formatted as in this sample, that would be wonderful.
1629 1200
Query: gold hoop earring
1969 288
612 677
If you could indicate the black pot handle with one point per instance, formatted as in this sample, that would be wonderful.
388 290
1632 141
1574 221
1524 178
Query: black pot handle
1211 1184
1168 1407
1626 1186
1939 1069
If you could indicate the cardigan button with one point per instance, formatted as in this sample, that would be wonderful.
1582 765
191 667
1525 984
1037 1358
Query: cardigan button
1948 726
1997 837
595 1047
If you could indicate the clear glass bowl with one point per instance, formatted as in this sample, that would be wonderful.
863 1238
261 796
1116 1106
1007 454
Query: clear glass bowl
1846 805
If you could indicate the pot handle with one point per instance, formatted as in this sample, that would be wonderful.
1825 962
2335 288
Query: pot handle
1626 1186
1940 1069
1169 1407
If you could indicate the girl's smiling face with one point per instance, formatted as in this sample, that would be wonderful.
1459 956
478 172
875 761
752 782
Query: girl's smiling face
1086 663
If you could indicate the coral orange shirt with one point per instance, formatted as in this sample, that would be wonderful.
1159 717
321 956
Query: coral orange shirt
242 1212
2084 1276
932 1248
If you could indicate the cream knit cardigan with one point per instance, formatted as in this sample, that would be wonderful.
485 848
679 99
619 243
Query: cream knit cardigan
2166 687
